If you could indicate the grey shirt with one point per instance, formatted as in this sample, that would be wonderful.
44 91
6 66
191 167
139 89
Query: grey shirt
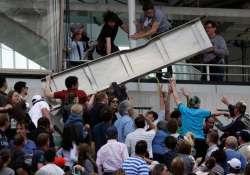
7 171
160 17
220 50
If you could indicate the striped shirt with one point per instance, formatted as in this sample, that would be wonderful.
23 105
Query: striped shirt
135 166
111 156
140 134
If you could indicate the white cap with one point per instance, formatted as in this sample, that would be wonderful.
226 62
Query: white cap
234 163
35 98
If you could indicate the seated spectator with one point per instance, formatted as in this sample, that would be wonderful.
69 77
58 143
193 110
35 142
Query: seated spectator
125 124
177 166
40 108
234 167
43 126
99 131
111 155
244 141
17 162
172 129
231 151
160 169
4 124
171 153
50 167
136 164
85 163
158 143
212 141
237 111
141 134
29 146
74 132
38 156
184 149
93 115
4 161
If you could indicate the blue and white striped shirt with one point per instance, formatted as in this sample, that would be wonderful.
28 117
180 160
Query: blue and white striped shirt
135 166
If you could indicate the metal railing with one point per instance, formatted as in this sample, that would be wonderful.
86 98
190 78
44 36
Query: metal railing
208 73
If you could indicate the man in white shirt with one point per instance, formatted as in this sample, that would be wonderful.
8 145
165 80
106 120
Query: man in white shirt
212 141
50 168
141 134
39 109
111 155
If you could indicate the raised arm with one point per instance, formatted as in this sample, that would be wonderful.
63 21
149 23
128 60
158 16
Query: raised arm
167 103
186 95
47 91
175 94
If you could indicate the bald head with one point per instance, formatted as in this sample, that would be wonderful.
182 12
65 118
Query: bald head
77 108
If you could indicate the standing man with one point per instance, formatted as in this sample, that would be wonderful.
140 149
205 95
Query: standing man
153 23
217 53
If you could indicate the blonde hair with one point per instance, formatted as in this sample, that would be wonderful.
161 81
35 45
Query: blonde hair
77 108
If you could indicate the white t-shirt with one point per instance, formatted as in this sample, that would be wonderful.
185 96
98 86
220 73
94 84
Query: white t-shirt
140 134
50 169
36 111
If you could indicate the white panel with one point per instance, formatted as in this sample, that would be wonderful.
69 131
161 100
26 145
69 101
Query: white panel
176 45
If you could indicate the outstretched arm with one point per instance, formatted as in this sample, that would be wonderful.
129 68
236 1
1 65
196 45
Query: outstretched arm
167 103
175 94
47 91
145 34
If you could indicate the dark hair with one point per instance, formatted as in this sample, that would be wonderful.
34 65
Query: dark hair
172 126
157 170
19 86
2 81
10 94
141 147
71 81
23 123
219 155
170 142
42 139
162 125
106 114
4 157
147 6
213 136
140 122
210 163
184 147
241 106
50 155
84 154
43 122
155 115
247 169
100 96
18 140
175 114
110 16
3 119
194 101
213 24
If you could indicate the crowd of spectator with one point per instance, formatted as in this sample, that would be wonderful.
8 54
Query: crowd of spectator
102 134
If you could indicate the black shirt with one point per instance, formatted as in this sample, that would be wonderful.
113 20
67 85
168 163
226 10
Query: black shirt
3 99
107 32
3 140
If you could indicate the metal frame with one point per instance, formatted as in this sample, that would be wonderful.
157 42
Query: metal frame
180 43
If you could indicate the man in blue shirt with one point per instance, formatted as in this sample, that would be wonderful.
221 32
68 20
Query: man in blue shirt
192 119
125 124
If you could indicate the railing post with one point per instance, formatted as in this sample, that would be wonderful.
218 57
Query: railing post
208 73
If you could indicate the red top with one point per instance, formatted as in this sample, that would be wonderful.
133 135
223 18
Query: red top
79 93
